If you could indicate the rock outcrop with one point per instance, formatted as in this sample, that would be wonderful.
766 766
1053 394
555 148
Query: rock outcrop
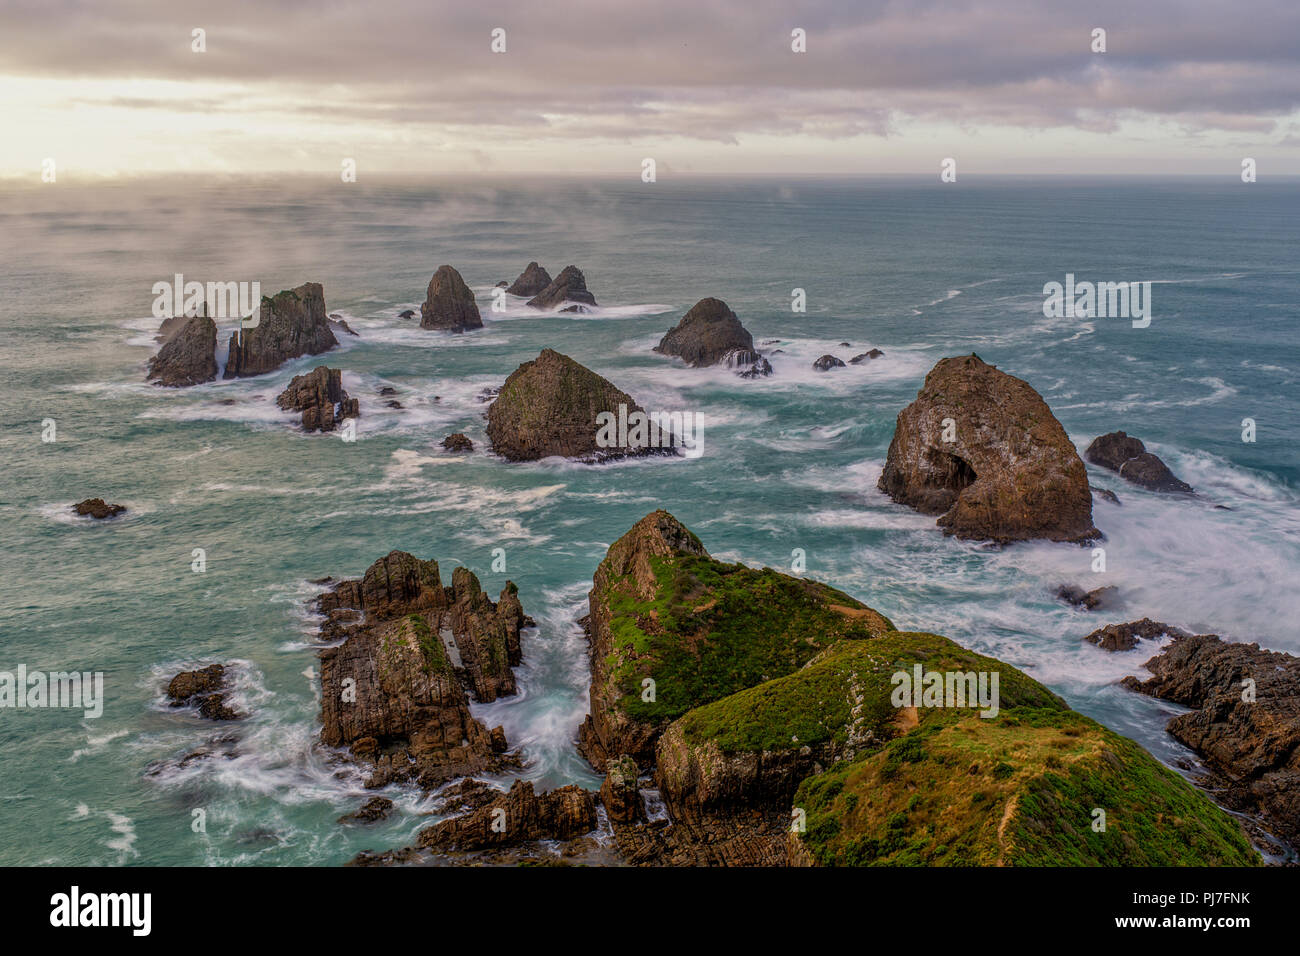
866 357
550 406
97 508
290 324
520 816
188 353
569 286
319 395
1245 721
1096 599
532 281
449 304
1129 458
709 334
713 629
457 442
620 792
827 362
372 811
207 689
394 692
981 449
1125 637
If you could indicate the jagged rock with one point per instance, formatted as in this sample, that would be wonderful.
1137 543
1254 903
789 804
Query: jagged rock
1129 458
171 325
449 304
708 630
549 406
457 442
408 657
827 362
372 811
532 281
465 795
319 395
1245 722
342 324
760 369
619 792
866 357
205 689
569 286
188 354
97 508
290 324
1009 474
560 814
1105 493
1125 637
708 334
1104 598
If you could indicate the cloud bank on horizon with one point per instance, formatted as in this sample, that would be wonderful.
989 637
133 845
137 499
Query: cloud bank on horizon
704 86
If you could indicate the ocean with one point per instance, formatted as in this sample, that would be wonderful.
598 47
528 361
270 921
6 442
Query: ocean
916 268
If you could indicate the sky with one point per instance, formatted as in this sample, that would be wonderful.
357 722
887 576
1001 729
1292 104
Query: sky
116 88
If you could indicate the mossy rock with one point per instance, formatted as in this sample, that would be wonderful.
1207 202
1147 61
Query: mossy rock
1021 789
712 629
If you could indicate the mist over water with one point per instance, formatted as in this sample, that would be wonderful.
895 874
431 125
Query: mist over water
916 269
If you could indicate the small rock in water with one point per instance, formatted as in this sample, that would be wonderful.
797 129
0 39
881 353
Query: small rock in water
1104 598
98 508
866 357
372 811
457 442
826 363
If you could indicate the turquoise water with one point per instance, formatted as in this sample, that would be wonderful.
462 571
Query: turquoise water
918 269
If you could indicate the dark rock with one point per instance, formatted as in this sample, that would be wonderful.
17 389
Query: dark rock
457 442
1248 734
319 395
549 406
1128 457
502 284
519 816
290 324
845 345
760 369
1125 637
406 314
395 690
171 325
577 310
342 324
449 304
708 334
188 354
569 286
393 404
372 811
532 281
205 689
97 508
387 390
465 795
1103 598
1104 493
866 357
1011 473
826 363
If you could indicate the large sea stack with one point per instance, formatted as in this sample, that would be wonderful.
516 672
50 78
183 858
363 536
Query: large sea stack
290 324
396 691
569 286
549 406
319 395
449 304
708 334
188 353
759 700
981 449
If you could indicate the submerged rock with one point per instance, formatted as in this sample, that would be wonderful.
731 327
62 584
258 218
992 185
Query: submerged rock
206 689
97 508
1129 458
708 334
1103 598
396 691
569 286
760 369
549 406
1009 472
1125 637
319 395
1244 722
532 281
290 324
449 304
188 354
372 811
866 357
